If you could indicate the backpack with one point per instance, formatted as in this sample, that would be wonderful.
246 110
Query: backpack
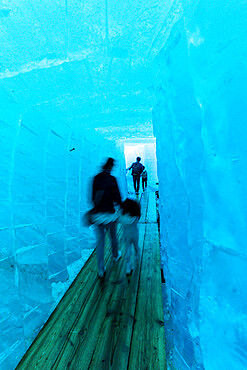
137 169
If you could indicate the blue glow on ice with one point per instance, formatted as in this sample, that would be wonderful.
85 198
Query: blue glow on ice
74 74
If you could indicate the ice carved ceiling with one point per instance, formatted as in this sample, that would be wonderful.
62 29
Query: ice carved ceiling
85 61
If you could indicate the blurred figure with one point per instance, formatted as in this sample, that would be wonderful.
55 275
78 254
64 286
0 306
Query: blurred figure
105 194
137 168
144 179
129 217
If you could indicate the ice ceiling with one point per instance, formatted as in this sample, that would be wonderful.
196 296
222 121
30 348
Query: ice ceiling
88 61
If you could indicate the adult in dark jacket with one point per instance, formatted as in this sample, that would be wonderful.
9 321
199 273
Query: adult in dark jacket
137 168
105 194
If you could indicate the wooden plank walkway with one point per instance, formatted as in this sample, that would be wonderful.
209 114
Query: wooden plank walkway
115 323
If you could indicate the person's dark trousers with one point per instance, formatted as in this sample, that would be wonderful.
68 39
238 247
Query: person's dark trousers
144 183
101 229
136 181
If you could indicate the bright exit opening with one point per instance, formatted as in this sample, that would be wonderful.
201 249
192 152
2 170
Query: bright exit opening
146 149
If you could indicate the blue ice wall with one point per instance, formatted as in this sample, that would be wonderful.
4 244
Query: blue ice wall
200 125
44 192
67 66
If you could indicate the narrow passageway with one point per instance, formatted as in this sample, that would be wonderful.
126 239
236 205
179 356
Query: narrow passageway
115 323
82 81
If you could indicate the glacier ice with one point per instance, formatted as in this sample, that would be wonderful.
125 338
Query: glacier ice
199 120
73 74
43 197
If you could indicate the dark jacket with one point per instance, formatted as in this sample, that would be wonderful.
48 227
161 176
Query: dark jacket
137 168
105 192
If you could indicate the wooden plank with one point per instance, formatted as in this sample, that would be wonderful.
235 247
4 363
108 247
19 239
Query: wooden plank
80 345
144 207
64 317
113 346
148 340
43 349
116 323
151 211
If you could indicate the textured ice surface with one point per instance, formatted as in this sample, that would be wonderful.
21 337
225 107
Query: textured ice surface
45 192
199 121
68 68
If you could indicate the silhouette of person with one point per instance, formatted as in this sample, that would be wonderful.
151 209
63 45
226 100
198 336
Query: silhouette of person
137 168
129 217
105 194
144 179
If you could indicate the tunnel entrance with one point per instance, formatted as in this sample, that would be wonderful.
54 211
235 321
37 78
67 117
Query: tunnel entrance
146 149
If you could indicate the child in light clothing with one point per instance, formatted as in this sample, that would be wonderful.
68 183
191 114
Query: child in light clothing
130 215
144 179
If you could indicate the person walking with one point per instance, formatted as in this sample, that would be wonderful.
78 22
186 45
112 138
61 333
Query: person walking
137 169
129 217
105 194
144 179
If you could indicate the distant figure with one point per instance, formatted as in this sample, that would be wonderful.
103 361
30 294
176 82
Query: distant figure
144 179
137 168
105 194
129 217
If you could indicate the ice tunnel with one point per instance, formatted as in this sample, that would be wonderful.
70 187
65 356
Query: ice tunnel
79 79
